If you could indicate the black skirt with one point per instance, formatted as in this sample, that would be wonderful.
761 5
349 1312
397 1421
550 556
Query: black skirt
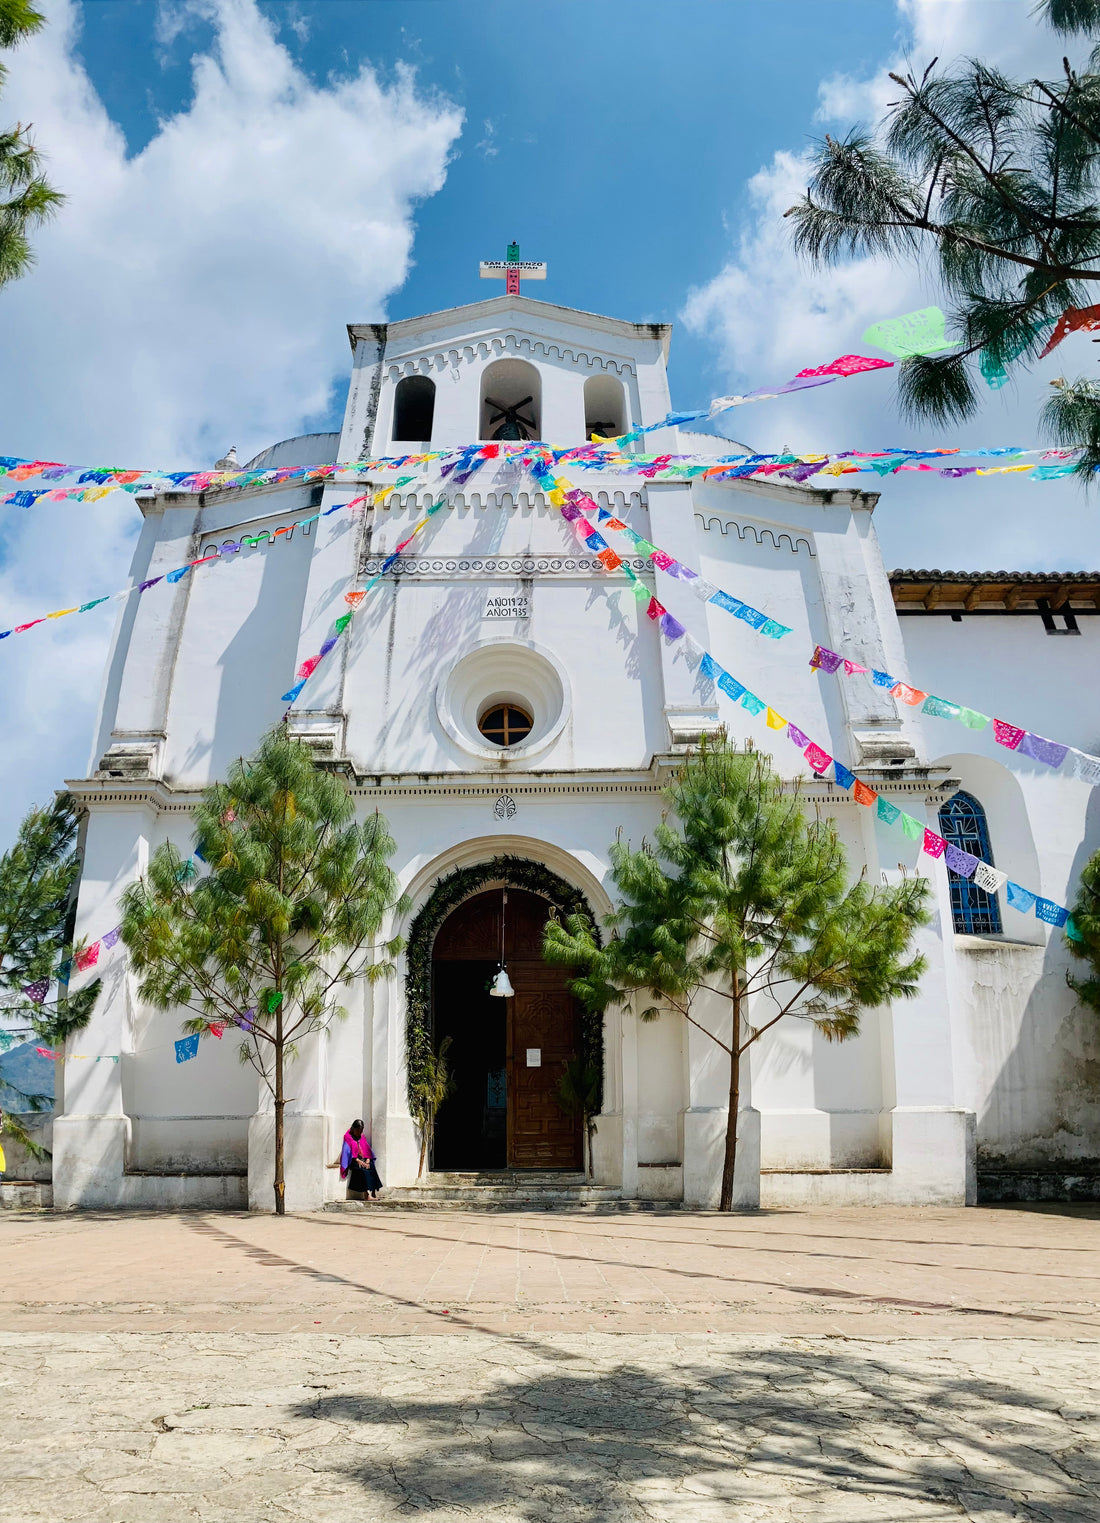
363 1178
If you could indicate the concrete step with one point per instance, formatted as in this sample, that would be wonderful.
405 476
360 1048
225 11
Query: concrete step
25 1194
508 1190
422 1200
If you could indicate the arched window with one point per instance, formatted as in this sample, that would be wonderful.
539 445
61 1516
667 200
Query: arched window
963 824
511 401
414 409
604 413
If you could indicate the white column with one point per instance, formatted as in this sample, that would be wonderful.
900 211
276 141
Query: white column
306 1134
91 1137
630 1102
933 1144
706 1114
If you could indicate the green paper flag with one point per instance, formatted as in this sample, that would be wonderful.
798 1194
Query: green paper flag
920 332
341 623
973 719
274 1000
912 828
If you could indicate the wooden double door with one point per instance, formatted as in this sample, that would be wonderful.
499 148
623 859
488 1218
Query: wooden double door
506 1055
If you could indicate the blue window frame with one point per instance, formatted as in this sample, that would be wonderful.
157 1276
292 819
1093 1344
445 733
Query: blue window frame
963 824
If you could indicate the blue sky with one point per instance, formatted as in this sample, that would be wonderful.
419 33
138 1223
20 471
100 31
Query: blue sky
245 178
613 141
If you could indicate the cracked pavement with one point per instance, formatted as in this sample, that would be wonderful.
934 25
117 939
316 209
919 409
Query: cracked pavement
308 1369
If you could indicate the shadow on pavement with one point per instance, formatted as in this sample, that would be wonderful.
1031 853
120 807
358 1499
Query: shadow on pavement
788 1433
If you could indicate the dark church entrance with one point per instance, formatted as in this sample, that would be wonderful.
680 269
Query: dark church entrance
507 1055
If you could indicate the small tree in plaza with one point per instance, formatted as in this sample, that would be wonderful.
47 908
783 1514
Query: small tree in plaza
742 899
291 909
38 874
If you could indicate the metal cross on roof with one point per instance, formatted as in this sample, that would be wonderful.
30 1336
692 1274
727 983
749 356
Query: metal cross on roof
511 269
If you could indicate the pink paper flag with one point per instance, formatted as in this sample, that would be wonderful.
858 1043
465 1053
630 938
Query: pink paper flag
89 957
1007 734
933 844
852 667
818 759
847 364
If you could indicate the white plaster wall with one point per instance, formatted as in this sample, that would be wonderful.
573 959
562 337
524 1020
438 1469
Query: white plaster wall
1035 1051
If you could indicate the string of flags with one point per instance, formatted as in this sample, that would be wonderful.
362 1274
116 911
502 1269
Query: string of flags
95 482
460 461
572 503
353 600
37 991
1051 753
915 333
818 760
216 552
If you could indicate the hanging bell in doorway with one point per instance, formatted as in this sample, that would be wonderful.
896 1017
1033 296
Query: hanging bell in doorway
502 984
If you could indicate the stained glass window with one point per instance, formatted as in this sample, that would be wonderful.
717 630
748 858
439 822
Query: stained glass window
975 912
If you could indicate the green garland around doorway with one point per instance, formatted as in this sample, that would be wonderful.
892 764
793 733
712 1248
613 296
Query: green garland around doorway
448 892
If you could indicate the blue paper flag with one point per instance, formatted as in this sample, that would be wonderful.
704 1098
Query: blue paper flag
843 776
1020 898
1053 914
186 1048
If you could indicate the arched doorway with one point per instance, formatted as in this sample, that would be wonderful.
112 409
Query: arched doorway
506 1055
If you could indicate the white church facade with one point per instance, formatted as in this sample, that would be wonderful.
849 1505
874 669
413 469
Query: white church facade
504 701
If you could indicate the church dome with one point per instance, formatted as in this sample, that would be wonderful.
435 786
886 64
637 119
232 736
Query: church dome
303 449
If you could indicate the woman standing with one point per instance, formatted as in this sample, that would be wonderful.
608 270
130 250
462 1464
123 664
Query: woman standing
357 1165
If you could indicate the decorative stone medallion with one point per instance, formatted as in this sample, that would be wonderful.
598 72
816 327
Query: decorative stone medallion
504 808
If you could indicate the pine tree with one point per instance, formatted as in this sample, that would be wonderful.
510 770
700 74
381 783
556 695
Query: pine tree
998 180
38 876
743 899
1085 944
290 911
26 198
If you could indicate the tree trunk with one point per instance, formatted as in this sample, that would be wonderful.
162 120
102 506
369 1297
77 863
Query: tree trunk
280 1103
423 1150
730 1161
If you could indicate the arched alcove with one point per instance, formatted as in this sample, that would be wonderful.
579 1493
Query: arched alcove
511 401
604 407
413 409
449 897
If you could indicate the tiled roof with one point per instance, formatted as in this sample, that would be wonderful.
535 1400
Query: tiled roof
970 590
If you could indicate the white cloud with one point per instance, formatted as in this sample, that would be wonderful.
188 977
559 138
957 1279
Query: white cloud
186 298
769 316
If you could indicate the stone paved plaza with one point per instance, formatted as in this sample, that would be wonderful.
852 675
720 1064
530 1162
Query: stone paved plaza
857 1365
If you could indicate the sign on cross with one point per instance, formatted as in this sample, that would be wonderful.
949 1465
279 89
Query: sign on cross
511 269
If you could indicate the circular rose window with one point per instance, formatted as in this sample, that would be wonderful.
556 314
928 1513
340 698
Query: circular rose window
504 698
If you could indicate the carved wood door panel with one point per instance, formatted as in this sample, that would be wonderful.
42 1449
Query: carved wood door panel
542 1036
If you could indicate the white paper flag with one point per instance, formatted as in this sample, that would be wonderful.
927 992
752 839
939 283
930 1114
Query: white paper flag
989 878
1087 768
